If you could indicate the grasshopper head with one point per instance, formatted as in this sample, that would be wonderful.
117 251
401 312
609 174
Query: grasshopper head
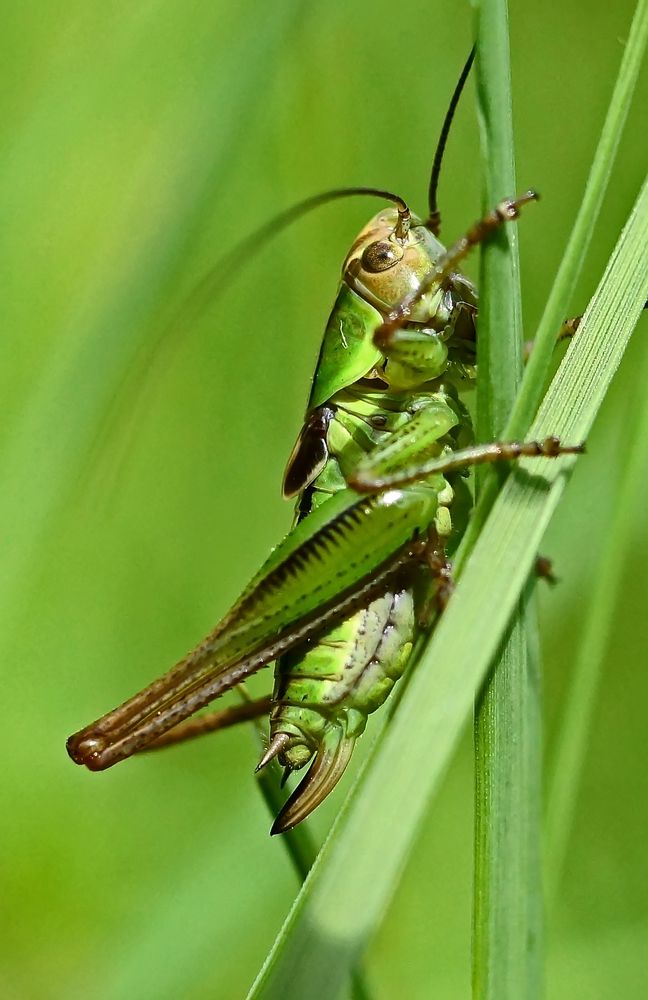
384 267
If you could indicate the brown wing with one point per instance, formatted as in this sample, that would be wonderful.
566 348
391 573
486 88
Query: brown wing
310 454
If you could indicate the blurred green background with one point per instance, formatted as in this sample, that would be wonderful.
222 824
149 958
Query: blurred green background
139 141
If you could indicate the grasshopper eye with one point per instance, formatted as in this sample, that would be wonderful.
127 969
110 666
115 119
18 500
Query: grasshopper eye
380 256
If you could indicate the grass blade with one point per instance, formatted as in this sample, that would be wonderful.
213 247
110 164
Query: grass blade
558 302
579 240
500 310
507 919
571 749
507 910
352 881
300 848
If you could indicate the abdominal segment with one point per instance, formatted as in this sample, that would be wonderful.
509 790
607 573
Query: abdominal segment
337 680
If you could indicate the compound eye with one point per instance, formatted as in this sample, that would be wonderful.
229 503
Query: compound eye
380 256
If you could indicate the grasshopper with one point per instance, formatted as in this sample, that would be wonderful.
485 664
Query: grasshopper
379 476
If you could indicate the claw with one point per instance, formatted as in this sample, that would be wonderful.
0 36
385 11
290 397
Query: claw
322 776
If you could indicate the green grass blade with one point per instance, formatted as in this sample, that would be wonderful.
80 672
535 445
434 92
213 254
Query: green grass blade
558 302
579 240
301 849
352 881
507 920
500 310
298 843
507 910
571 749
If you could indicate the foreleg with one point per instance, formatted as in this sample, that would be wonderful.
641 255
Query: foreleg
376 476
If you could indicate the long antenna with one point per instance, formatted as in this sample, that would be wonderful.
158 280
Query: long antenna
434 219
236 258
211 287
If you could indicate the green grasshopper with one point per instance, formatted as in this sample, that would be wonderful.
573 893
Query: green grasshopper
379 472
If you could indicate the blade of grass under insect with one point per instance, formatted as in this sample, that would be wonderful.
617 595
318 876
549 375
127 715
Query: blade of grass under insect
507 917
354 877
558 302
298 842
302 851
507 910
571 746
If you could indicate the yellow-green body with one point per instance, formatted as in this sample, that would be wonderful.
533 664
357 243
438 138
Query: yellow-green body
325 689
378 472
381 501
